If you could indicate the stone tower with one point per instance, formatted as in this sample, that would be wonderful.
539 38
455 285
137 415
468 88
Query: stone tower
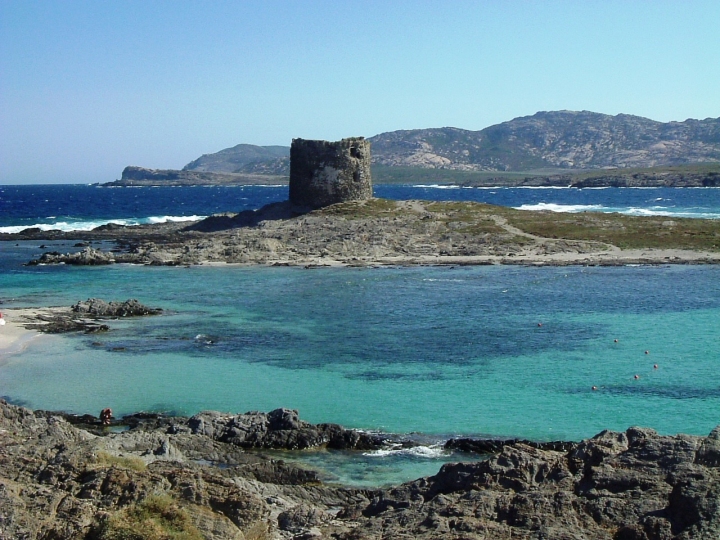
324 173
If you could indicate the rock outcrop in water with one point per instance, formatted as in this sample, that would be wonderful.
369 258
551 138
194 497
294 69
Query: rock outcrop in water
324 173
632 485
88 316
96 307
87 257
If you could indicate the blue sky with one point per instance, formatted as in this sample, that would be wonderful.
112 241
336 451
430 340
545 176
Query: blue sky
87 87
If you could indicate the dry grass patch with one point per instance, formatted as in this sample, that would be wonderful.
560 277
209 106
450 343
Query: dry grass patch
159 517
465 217
109 460
627 232
370 208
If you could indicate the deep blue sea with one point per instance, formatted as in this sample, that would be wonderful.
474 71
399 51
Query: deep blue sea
430 352
83 207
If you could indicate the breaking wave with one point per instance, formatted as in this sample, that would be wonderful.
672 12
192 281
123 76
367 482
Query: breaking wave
628 210
552 207
436 186
427 452
88 225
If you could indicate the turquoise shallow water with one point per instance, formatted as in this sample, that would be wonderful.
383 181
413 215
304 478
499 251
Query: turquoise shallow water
499 351
429 352
434 350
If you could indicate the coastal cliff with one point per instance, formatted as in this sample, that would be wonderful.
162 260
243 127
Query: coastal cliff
195 476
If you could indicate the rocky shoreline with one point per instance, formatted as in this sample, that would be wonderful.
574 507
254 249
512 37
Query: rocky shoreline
88 481
384 232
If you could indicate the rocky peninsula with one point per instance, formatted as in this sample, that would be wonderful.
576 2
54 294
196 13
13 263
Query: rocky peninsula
386 232
63 476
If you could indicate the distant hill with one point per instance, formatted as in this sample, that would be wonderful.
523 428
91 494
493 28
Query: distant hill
244 158
544 144
561 139
546 140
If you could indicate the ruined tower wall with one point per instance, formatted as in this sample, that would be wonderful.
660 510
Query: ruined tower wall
324 173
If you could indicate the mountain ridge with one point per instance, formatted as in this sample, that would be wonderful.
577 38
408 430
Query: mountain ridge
548 139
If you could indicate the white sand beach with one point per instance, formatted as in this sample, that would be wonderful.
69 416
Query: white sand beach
14 337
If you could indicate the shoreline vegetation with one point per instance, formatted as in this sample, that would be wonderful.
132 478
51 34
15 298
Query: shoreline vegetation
152 476
387 232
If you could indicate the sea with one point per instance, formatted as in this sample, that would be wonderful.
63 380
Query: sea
424 353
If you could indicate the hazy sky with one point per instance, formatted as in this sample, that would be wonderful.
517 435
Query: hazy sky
87 87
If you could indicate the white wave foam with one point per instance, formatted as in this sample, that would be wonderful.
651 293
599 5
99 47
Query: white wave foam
562 207
165 219
663 211
68 226
649 212
541 187
429 452
631 211
436 186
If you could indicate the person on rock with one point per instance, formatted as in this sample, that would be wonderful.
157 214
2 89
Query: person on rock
106 416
